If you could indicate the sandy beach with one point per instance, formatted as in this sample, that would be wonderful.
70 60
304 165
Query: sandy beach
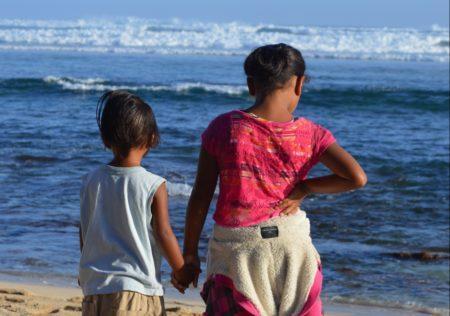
37 299
33 299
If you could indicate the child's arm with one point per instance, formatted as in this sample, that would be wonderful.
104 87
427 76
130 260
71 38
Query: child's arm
197 209
347 175
164 234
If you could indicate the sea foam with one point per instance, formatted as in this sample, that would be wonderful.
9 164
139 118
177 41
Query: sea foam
132 35
179 189
99 84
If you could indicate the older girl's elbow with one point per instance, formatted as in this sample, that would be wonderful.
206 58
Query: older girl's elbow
360 180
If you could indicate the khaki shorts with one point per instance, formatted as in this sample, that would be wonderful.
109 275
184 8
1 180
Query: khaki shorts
124 303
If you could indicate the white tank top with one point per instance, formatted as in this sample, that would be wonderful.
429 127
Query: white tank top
119 252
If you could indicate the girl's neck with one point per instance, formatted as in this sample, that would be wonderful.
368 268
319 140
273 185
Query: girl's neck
272 108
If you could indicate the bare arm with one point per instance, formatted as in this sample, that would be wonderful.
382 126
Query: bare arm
346 175
163 230
197 209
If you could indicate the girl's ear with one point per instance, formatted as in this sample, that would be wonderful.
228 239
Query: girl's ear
299 85
251 86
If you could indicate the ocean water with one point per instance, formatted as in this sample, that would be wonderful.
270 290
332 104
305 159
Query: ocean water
383 92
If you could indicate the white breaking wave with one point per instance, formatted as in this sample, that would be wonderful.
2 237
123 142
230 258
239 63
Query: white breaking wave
134 35
179 189
99 84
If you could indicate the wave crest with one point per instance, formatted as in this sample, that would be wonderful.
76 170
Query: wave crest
132 35
179 189
98 84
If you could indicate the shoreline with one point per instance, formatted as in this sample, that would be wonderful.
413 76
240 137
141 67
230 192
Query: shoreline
25 297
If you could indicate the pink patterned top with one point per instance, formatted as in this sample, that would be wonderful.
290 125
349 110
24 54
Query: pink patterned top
259 163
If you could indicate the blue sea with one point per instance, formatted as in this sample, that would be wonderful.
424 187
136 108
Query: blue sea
383 92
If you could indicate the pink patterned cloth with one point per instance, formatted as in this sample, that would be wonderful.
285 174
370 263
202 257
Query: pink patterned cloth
260 162
313 305
222 298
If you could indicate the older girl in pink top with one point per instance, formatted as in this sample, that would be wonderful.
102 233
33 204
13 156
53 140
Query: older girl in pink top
260 261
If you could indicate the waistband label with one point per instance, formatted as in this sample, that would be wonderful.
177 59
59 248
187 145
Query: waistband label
269 232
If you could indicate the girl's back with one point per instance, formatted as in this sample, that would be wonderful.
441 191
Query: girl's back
260 162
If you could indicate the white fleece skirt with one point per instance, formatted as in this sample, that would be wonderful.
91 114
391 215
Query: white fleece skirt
275 273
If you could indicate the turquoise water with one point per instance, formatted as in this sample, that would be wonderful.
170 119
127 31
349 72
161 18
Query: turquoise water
389 109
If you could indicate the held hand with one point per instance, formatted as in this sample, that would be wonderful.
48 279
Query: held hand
193 261
291 204
176 284
183 277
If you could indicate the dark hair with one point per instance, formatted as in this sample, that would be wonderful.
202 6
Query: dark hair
271 66
126 121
